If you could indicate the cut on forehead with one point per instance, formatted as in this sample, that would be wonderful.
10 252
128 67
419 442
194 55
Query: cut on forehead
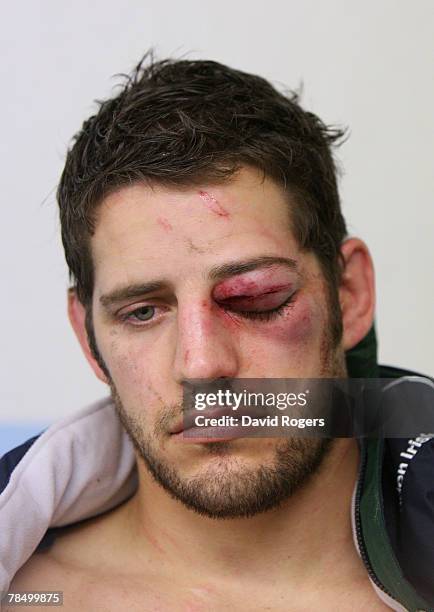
183 122
246 194
147 235
212 175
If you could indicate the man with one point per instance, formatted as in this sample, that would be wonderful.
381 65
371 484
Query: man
202 228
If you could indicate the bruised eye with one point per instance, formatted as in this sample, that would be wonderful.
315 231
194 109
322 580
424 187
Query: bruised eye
263 306
268 300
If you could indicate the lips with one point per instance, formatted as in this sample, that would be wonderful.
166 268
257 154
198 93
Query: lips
187 421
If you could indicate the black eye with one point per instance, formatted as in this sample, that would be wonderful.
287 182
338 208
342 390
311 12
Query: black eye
144 313
268 315
269 301
259 311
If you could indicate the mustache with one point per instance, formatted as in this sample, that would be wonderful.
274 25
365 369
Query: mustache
167 415
166 418
170 413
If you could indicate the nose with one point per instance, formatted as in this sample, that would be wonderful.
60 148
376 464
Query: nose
206 347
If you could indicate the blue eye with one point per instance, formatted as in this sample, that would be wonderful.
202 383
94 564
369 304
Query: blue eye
144 313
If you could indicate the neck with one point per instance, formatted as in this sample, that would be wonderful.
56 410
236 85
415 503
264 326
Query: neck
312 527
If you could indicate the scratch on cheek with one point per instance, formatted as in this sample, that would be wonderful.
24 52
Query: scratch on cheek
186 355
212 204
164 224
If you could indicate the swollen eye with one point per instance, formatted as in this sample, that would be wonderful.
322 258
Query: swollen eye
257 303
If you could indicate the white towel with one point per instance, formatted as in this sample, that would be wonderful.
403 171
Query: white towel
79 467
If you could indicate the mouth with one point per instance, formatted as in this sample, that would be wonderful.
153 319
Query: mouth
187 422
224 426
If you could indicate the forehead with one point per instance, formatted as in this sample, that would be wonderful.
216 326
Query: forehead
147 230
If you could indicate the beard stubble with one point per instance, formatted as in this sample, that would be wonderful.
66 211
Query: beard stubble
227 487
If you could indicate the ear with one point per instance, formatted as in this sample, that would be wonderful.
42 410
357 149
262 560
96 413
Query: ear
77 317
356 292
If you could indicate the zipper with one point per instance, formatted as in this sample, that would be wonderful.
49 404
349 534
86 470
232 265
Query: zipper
358 525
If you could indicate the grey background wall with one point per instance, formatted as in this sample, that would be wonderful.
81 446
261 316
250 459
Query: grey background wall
365 65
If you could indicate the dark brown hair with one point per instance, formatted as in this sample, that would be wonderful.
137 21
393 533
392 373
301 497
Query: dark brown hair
180 122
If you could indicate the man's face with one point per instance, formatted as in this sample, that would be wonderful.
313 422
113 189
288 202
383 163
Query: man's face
203 283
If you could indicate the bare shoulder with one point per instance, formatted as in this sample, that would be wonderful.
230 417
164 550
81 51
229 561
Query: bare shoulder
91 579
42 572
74 565
46 568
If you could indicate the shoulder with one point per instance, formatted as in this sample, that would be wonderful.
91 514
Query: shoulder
43 572
70 567
88 574
83 563
66 566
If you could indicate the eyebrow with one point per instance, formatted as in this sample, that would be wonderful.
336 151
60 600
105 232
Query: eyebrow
232 268
216 273
130 291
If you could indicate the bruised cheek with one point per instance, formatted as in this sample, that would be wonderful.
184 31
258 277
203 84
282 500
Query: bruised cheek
297 326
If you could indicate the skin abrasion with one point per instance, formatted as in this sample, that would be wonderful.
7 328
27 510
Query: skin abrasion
269 289
215 314
164 223
212 204
201 223
249 290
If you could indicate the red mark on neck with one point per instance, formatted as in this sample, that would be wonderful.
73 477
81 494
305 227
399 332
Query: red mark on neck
212 204
164 224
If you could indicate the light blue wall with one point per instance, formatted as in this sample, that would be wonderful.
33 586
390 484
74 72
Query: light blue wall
12 434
